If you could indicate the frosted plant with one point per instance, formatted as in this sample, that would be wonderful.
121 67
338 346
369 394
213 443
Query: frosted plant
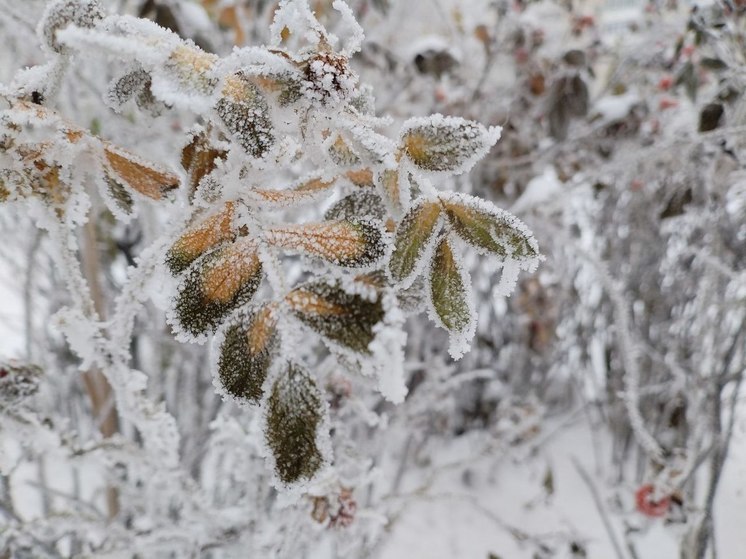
250 260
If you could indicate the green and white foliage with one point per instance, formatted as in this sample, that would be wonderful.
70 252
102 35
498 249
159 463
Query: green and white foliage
281 126
260 204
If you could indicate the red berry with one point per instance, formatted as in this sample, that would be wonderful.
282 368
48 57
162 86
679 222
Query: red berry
647 506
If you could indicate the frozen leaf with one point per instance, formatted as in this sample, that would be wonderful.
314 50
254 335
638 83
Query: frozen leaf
135 84
361 203
414 240
336 315
191 68
117 196
294 413
245 113
18 381
304 191
488 228
342 154
450 295
137 174
246 344
216 284
285 87
60 14
388 184
211 232
412 299
350 243
199 159
360 177
441 143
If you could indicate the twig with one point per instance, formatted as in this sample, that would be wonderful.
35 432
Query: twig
600 507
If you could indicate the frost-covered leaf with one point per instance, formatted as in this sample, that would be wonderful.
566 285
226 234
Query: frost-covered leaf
360 177
245 113
199 159
343 318
191 68
414 239
488 228
285 87
18 381
439 143
61 13
116 195
219 282
450 296
209 233
342 154
135 84
361 203
245 345
350 243
139 175
388 185
294 412
304 191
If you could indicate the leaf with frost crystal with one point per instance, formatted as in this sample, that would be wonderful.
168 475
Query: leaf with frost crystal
219 282
199 159
361 203
62 13
350 243
452 144
488 228
294 412
197 240
413 240
246 344
304 191
191 68
117 196
388 184
245 113
285 87
360 177
138 174
450 294
336 315
342 154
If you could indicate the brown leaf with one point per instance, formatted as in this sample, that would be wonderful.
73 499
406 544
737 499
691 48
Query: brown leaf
139 175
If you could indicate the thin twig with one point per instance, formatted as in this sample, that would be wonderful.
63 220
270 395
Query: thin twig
600 507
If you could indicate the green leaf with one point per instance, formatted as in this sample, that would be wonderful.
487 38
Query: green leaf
342 318
439 143
246 345
361 203
488 228
413 240
219 282
294 412
117 194
448 290
245 113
